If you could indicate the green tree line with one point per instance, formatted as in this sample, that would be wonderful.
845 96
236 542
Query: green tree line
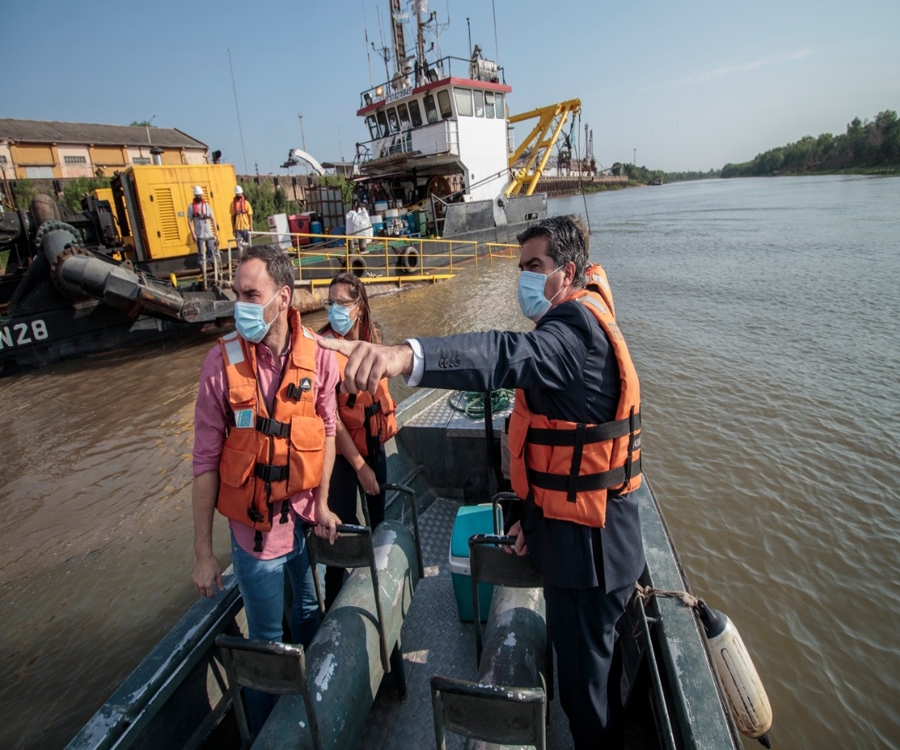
868 145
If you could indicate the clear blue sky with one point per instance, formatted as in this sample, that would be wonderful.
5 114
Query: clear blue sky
688 85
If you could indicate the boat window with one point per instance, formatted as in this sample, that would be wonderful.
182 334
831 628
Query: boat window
393 121
415 113
489 105
500 106
430 109
382 123
463 102
373 126
479 103
444 104
404 116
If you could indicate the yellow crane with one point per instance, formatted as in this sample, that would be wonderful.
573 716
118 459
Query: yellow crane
538 144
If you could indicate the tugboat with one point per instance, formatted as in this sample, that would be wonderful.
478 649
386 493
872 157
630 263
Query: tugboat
119 273
437 158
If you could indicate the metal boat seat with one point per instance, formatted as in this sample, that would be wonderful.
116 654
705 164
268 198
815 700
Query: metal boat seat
267 666
513 716
490 563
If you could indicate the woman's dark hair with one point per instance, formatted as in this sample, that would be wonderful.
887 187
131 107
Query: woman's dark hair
368 330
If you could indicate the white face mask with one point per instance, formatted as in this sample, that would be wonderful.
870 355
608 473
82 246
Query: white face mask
249 320
530 293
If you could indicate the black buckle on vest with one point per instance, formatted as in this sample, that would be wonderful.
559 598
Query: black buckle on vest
268 426
371 411
270 473
255 515
294 391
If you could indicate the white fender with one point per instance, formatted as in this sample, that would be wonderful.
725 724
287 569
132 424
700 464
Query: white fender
749 703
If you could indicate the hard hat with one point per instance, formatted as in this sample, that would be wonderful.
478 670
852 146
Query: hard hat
198 190
239 190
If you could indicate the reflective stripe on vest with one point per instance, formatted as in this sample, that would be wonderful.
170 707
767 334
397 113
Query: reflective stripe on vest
571 468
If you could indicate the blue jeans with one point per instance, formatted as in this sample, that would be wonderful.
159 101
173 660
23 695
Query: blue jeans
262 587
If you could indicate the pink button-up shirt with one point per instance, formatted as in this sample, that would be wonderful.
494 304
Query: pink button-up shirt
211 417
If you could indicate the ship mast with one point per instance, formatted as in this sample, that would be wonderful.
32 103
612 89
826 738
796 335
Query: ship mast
399 43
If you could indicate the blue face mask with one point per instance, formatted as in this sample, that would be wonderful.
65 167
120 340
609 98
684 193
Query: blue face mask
530 293
339 318
250 321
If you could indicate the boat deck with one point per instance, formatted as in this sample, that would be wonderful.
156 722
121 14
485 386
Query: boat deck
434 641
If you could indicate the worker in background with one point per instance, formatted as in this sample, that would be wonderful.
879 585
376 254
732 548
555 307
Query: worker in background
203 227
358 226
241 218
574 438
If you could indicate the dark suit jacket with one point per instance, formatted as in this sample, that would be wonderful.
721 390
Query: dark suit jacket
568 371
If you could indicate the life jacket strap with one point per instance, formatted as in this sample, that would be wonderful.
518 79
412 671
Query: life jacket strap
586 483
285 506
593 434
257 539
271 473
268 426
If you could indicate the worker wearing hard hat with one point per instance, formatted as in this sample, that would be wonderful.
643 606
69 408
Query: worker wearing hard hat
241 218
203 227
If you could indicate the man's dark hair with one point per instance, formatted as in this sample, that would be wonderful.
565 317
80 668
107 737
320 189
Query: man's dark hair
567 242
278 264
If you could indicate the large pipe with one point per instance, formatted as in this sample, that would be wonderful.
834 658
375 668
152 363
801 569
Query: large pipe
85 275
343 663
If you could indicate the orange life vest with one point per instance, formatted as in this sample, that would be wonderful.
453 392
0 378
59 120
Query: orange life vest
240 204
201 210
362 413
269 457
572 467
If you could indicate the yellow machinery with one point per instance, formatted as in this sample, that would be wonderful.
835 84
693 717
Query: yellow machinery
150 203
538 144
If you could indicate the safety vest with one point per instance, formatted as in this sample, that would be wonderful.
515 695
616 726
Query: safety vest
367 418
571 467
240 205
269 457
201 210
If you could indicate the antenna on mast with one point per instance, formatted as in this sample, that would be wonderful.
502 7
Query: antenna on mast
238 109
366 32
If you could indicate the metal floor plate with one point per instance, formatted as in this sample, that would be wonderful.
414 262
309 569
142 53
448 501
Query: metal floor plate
434 641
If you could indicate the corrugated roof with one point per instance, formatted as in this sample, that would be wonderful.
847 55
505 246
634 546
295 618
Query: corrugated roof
42 131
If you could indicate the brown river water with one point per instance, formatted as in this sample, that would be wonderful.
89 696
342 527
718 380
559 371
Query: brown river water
762 317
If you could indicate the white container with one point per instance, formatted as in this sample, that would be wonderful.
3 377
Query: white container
381 206
279 225
391 213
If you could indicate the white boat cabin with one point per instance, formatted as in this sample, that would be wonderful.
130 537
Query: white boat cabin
448 125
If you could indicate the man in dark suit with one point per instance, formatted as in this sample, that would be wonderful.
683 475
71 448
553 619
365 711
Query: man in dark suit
570 368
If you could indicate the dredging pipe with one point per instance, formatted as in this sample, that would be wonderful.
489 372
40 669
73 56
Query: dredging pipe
343 663
82 274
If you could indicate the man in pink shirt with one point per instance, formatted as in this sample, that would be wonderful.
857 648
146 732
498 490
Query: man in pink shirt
265 390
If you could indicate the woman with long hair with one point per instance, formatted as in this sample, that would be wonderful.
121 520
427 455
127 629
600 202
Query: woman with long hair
365 422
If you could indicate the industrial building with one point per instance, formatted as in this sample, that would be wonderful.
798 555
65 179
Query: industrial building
36 149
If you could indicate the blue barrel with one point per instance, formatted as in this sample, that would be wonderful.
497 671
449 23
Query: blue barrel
315 227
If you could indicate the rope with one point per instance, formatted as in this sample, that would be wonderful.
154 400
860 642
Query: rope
474 402
648 592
